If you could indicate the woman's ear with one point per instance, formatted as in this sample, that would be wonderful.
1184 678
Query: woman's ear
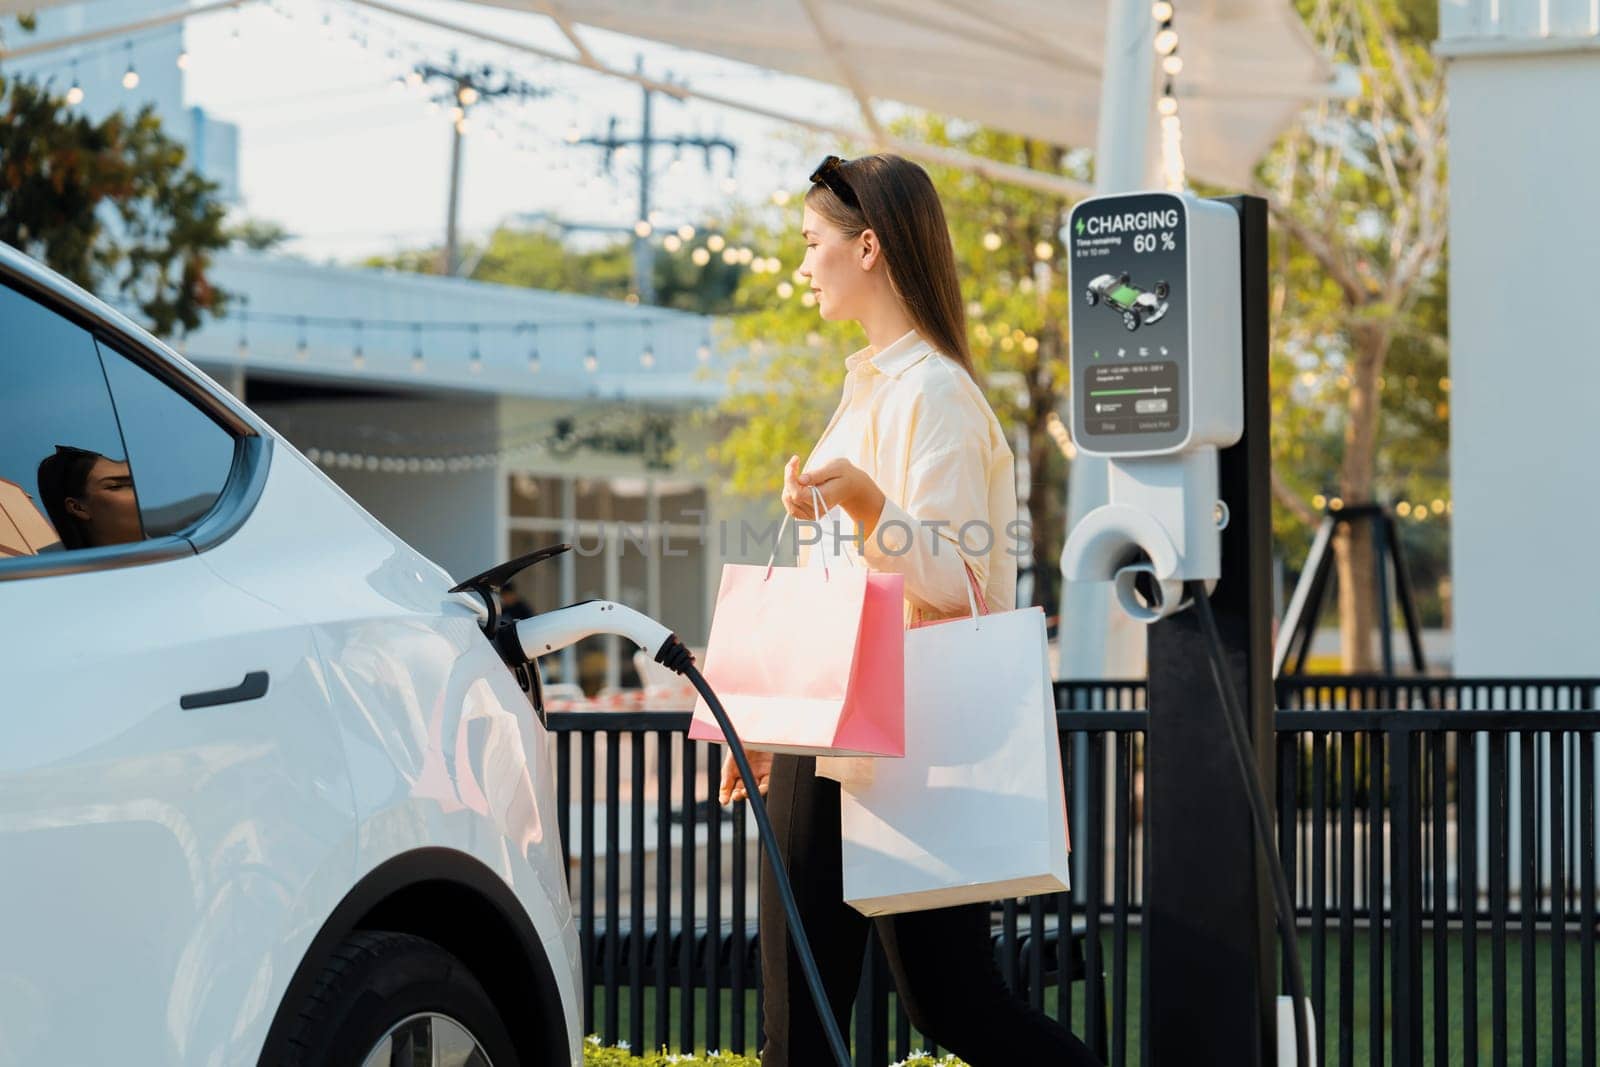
870 252
76 509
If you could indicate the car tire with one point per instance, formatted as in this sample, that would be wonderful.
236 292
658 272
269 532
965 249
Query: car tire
377 980
1162 290
1130 320
1093 297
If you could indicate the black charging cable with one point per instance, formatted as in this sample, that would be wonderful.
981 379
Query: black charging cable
1233 716
677 658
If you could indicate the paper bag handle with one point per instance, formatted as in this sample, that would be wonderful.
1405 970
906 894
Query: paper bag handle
975 598
821 509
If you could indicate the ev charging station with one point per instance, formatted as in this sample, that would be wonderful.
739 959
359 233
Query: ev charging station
1169 383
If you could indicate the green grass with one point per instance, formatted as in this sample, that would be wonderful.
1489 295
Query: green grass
1360 1002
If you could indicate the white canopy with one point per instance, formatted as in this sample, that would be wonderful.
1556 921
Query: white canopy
1032 67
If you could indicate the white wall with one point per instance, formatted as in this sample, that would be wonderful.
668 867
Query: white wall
1525 349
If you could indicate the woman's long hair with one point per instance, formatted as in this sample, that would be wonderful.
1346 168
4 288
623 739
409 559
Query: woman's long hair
900 205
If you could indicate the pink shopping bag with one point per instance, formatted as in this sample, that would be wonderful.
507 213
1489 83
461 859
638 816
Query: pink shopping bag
807 660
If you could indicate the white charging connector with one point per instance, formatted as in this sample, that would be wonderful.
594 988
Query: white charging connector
551 631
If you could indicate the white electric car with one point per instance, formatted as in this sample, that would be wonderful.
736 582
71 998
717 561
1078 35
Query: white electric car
267 794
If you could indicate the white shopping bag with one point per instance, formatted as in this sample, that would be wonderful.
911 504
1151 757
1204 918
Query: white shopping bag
976 810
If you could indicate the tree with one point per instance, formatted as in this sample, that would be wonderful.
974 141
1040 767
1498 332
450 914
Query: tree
539 257
1017 304
259 235
110 205
1357 196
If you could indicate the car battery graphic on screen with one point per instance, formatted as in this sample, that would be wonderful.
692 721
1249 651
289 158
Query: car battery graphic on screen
1137 306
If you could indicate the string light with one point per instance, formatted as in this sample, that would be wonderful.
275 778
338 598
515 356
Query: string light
183 59
700 256
716 242
1166 45
671 242
591 362
991 241
533 348
75 94
642 228
130 80
686 232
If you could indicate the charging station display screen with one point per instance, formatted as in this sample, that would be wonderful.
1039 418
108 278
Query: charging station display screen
1130 322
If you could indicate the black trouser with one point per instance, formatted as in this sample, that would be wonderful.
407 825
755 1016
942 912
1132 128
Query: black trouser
943 960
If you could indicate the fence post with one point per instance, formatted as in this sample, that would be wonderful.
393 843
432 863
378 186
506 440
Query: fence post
1209 910
1405 896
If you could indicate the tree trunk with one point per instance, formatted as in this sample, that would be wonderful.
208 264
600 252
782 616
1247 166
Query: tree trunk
1353 555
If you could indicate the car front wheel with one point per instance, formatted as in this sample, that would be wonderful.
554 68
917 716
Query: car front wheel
1091 296
387 999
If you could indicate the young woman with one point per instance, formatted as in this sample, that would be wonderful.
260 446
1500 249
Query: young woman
913 440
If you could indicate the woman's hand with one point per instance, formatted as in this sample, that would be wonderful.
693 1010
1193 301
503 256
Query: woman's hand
842 482
797 498
733 785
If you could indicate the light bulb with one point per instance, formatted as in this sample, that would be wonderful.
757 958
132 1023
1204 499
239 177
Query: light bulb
703 353
468 96
730 256
686 232
75 95
1167 42
1167 106
716 242
1161 11
1172 64
991 241
1043 250
785 290
457 113
671 242
591 362
642 228
647 358
130 80
183 60
700 256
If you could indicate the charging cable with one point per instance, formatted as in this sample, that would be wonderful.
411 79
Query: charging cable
1233 716
553 630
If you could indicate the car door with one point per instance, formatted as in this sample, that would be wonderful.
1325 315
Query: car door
171 787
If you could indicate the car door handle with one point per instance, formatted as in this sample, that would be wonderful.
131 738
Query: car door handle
254 687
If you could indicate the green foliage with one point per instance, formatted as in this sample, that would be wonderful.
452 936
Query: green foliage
259 235
1360 353
110 205
539 257
595 1055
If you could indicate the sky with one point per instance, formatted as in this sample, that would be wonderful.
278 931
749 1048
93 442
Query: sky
354 163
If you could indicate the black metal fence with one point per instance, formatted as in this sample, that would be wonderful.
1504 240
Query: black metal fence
1442 846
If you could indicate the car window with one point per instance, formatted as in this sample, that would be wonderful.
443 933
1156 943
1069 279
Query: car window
65 482
180 456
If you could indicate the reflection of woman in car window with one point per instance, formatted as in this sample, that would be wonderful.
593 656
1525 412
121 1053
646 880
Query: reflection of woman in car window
90 498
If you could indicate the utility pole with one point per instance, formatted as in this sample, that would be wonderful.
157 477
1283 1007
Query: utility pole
643 249
466 88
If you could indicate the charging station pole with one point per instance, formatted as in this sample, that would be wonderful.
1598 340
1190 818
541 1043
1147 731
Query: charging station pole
1210 969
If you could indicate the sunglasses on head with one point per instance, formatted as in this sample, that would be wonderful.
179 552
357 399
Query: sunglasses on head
830 172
